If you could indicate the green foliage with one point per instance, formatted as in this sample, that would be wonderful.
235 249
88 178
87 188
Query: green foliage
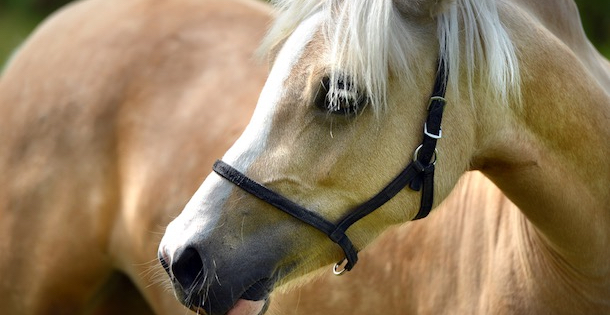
38 6
15 26
595 15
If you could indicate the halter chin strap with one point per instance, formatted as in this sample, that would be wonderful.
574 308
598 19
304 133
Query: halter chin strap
418 175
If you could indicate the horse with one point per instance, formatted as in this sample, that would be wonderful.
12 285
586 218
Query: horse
107 114
351 114
117 278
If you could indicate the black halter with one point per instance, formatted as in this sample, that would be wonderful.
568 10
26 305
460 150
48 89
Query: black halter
419 175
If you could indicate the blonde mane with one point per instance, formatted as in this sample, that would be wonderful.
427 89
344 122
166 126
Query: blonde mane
371 41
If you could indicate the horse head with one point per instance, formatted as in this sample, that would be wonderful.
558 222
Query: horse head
346 105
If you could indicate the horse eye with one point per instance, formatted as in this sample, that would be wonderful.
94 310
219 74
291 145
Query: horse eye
340 99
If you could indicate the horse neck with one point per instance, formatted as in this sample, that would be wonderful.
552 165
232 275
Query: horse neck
550 156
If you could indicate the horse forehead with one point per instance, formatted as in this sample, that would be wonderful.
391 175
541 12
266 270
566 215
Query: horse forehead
251 144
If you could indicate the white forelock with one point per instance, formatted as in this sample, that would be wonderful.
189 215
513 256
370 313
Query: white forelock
369 39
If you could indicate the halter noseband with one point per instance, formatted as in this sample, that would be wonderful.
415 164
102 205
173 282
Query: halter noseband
418 175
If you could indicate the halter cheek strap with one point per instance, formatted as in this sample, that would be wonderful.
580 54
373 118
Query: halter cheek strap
418 175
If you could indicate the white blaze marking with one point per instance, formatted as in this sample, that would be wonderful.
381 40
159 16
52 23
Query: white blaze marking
252 142
196 216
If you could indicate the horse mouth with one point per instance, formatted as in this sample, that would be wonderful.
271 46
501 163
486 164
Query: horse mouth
246 307
241 307
253 301
213 299
258 291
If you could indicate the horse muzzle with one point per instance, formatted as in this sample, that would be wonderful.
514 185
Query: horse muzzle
215 286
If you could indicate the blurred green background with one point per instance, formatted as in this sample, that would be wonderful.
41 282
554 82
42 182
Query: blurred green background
19 17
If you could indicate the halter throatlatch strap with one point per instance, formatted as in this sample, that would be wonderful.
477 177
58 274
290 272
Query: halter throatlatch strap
425 155
419 175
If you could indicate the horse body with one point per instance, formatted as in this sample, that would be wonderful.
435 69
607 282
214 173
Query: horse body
108 112
528 106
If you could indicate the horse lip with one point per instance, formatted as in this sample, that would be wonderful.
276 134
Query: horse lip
201 309
251 308
258 291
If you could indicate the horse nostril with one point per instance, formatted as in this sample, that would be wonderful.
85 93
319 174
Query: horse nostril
163 262
188 268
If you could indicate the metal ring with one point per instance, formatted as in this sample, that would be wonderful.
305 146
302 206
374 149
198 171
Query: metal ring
416 153
336 267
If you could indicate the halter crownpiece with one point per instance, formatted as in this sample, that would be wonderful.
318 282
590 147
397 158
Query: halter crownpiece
418 175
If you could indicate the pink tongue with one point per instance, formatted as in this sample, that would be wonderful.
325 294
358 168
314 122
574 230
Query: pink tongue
246 307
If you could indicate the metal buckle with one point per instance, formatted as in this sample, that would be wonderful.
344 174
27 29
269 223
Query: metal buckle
431 135
436 98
